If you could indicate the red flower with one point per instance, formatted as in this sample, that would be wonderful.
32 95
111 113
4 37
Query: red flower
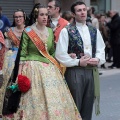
23 83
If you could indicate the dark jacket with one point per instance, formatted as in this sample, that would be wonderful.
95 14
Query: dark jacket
114 27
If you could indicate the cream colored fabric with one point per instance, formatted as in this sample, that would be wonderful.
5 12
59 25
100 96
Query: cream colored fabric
48 97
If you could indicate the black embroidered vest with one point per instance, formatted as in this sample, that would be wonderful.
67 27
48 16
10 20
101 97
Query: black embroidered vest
76 43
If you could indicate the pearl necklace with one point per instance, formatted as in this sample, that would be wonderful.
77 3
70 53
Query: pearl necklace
43 34
17 30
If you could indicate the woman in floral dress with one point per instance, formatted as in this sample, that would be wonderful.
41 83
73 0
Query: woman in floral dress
48 97
13 36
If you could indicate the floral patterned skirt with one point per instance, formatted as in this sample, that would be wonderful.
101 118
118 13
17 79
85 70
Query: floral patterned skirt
9 62
48 98
8 65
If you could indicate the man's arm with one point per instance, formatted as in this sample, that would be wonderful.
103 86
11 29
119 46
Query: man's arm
61 53
100 48
100 51
7 22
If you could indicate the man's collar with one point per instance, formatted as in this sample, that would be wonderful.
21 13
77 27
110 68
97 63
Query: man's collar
80 24
55 19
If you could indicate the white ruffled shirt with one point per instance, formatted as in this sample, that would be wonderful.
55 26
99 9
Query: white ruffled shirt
62 55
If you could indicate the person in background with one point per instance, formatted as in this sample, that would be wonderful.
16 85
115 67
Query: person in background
95 22
104 32
114 26
109 48
88 20
31 21
57 22
67 15
48 97
2 51
4 21
82 74
12 41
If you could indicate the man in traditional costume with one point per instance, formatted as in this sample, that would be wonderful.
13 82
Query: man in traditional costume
82 73
57 22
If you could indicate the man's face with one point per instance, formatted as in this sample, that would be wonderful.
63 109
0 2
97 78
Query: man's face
52 9
80 13
111 13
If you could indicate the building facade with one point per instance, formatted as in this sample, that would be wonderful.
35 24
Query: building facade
9 6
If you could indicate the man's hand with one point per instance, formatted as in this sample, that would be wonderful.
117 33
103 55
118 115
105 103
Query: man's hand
93 61
84 60
73 55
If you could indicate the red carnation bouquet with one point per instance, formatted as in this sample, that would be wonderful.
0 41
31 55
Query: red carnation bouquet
24 83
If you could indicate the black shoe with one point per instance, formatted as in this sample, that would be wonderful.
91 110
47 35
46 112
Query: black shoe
103 66
108 60
112 66
118 67
100 73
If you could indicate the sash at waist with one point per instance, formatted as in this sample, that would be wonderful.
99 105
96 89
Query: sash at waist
79 67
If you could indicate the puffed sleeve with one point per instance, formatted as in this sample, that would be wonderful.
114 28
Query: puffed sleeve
61 52
52 49
24 45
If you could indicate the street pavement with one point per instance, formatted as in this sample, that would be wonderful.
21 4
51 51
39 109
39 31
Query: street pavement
110 95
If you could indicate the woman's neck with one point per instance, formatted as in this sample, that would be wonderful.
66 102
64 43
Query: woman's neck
19 30
20 27
40 27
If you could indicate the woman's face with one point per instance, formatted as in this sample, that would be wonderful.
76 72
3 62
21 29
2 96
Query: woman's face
102 19
19 18
42 16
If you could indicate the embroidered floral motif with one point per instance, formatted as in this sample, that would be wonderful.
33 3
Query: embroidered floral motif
45 64
76 43
48 98
93 34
